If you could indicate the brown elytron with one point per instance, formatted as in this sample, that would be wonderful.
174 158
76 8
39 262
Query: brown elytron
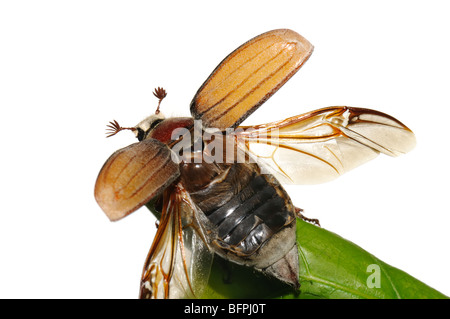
220 190
248 77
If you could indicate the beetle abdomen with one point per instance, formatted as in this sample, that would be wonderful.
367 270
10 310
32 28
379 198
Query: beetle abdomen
251 217
248 209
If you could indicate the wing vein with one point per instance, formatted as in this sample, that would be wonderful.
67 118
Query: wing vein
238 85
254 88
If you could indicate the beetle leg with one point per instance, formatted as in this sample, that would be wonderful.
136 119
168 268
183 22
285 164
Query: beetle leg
299 212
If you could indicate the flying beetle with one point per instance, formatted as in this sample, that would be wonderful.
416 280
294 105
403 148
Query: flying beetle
219 184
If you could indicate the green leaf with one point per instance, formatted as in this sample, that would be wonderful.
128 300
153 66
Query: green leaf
330 267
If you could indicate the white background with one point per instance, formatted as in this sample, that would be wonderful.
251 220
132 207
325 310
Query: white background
69 67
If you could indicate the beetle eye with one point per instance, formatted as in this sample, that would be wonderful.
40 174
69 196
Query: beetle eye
140 134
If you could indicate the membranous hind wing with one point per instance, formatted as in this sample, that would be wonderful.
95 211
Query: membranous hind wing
179 259
321 145
247 77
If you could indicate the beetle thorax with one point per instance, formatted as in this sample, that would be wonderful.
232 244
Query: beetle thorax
162 129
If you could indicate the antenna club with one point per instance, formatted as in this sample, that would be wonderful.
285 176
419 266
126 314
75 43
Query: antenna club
160 94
